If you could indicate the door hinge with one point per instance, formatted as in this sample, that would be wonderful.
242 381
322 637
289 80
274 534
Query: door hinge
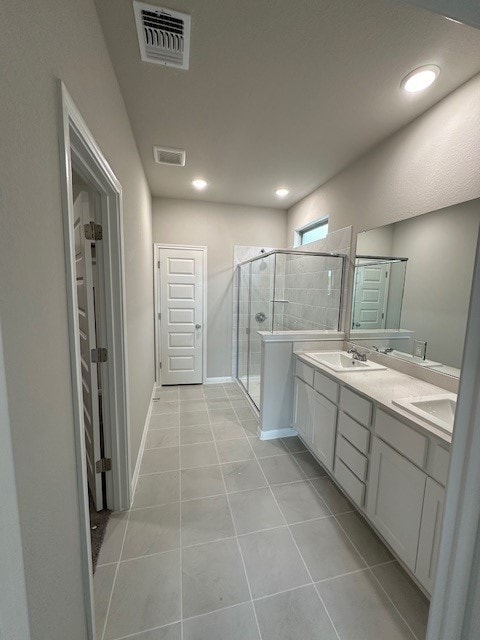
99 355
159 316
158 264
160 365
93 231
105 464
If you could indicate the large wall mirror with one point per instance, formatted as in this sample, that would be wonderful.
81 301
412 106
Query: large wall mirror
412 286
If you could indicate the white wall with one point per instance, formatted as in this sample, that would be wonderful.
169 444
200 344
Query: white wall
376 242
40 42
219 227
13 598
432 163
440 247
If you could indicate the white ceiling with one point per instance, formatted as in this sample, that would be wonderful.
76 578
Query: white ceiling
280 92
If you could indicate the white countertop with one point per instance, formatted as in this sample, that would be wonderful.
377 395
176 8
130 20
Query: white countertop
301 336
383 387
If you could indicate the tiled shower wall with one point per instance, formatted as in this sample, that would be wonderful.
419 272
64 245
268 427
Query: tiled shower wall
312 285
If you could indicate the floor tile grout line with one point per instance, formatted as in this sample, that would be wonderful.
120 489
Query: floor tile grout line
115 577
181 540
369 567
303 560
391 602
238 543
203 466
239 535
216 495
132 635
350 573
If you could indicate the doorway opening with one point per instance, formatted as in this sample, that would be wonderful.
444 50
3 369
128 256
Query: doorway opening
93 237
180 314
88 273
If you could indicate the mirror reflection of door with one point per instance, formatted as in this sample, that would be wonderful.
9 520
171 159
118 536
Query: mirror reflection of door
371 295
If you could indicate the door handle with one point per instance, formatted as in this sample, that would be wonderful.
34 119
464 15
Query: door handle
198 326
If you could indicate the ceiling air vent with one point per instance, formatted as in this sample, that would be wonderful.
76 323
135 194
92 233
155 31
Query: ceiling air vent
163 35
173 157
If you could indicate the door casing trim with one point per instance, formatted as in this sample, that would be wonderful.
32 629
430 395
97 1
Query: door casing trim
156 257
76 142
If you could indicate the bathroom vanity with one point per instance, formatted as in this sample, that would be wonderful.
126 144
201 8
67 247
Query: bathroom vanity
390 462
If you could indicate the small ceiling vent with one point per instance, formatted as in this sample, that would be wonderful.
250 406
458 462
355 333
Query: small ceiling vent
163 35
173 157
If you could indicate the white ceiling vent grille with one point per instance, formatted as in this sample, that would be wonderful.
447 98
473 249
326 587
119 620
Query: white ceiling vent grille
163 35
173 157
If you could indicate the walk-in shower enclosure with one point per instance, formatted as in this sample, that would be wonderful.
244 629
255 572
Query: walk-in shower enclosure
283 290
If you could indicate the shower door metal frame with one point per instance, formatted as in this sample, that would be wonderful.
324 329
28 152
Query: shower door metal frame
276 252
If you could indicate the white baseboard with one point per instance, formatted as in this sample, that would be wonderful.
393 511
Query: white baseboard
271 434
218 380
136 472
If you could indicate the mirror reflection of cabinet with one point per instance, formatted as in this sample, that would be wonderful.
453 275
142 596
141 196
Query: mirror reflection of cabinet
412 286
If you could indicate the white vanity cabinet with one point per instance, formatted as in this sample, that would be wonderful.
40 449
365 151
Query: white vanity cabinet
315 419
324 429
430 528
395 500
303 410
391 468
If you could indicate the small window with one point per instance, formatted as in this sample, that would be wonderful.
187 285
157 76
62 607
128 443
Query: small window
316 231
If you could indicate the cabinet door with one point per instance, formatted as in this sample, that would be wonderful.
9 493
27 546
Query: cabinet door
324 429
430 533
395 499
302 413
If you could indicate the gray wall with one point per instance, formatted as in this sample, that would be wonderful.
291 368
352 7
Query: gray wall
13 600
64 41
219 227
432 163
376 242
440 247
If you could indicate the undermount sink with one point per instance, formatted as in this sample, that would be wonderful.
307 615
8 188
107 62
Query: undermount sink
438 410
343 361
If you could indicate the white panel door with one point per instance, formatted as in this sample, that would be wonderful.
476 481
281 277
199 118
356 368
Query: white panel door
87 339
370 299
181 316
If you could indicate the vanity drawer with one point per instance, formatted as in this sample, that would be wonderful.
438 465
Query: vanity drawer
358 407
354 460
304 372
401 437
326 386
441 462
354 432
354 488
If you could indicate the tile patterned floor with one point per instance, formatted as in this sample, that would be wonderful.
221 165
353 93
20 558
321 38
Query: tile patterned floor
232 538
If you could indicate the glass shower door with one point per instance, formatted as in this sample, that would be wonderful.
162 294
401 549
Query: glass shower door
243 319
262 276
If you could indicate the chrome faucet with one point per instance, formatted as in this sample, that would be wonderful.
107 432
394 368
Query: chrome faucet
385 351
361 357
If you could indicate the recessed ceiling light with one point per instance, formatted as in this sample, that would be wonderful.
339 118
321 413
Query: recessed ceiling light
199 184
420 78
282 192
